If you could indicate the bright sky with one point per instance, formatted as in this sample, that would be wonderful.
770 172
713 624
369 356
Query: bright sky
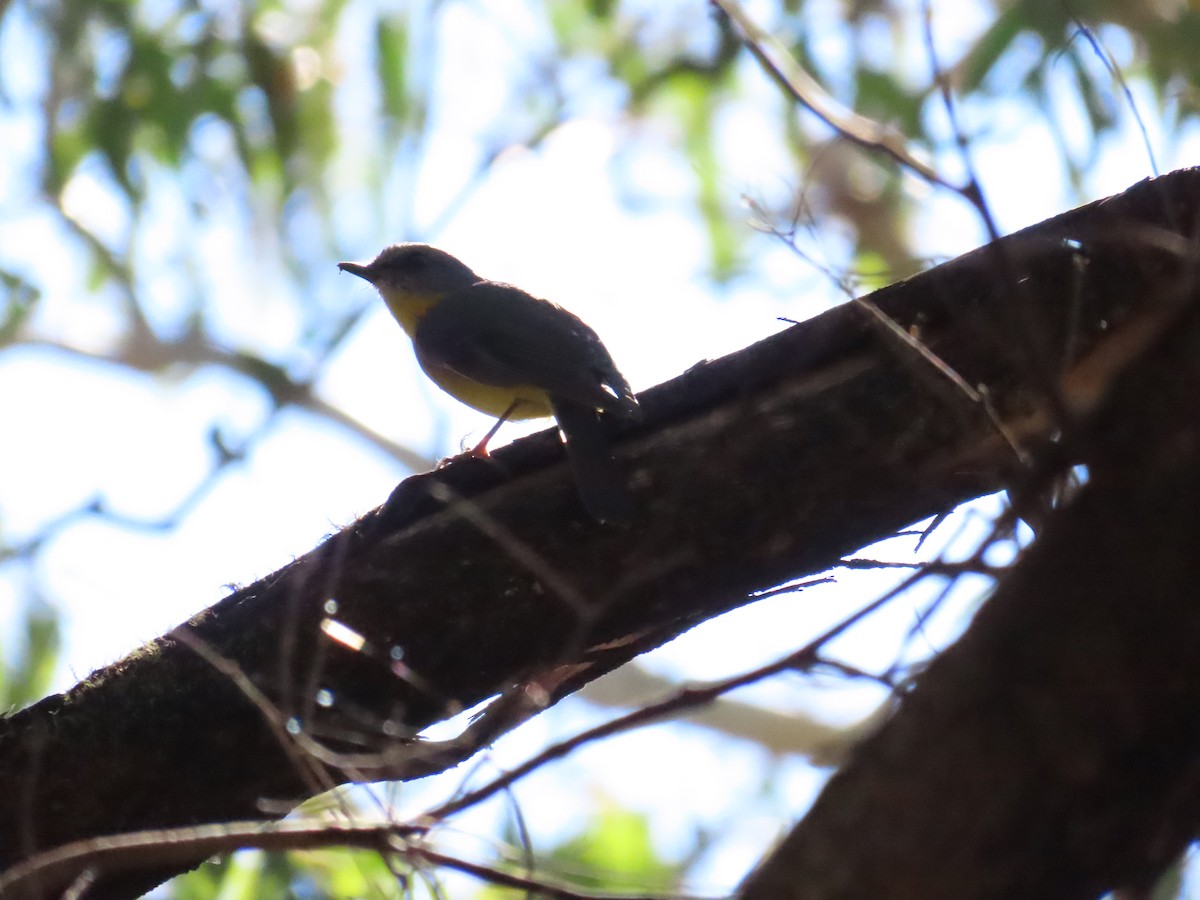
549 221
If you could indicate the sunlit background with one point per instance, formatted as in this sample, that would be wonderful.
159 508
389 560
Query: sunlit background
191 395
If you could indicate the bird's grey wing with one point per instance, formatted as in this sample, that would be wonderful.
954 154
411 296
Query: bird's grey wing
500 335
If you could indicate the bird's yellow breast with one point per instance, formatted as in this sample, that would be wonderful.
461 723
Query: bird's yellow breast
408 308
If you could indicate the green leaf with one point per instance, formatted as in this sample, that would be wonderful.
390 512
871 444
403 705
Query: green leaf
882 97
20 297
29 679
988 50
391 53
617 852
241 876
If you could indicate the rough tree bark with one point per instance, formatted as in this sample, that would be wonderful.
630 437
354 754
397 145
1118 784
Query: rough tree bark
750 470
1054 750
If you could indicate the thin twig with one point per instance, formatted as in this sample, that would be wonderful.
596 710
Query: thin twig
686 698
805 90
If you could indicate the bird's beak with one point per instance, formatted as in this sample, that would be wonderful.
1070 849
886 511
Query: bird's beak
357 269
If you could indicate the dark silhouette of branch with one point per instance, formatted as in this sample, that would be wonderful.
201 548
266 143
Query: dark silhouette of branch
1052 751
485 578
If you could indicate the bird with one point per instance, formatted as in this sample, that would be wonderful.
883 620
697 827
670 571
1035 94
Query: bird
509 354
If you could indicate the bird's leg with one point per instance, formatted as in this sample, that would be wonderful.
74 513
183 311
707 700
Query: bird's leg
480 449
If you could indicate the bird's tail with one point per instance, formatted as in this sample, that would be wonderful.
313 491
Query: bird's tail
601 483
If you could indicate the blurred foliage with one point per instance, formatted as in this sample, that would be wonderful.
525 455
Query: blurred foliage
335 874
131 83
131 88
614 853
26 673
19 298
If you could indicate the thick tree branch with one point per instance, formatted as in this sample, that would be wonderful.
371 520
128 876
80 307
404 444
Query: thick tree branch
1053 751
760 467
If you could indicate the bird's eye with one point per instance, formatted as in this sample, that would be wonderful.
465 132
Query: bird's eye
413 262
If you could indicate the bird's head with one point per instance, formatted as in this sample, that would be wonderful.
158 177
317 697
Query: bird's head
414 269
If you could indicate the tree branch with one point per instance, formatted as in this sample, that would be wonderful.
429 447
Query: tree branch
757 468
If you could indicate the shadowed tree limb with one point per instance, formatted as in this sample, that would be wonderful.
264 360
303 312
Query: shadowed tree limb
757 468
1053 750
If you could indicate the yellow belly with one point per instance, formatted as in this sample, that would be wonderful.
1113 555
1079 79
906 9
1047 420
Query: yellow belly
489 399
